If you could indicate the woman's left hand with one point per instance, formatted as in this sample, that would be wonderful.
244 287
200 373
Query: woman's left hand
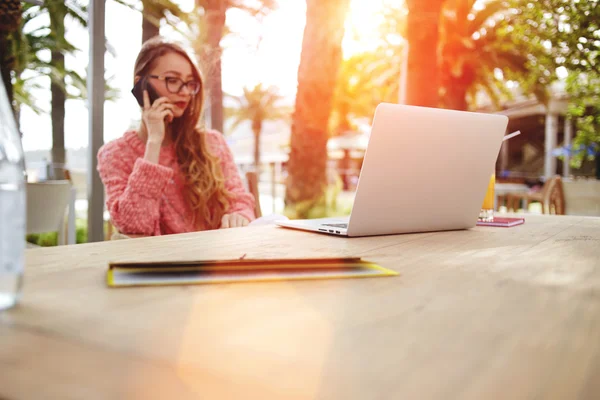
233 221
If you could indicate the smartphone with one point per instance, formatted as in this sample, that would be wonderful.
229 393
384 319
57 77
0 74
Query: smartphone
138 91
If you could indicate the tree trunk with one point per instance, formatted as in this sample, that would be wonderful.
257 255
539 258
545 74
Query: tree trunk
10 20
257 128
215 24
17 110
58 112
317 75
57 26
423 32
6 66
455 97
149 28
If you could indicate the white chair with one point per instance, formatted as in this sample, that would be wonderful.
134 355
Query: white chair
47 203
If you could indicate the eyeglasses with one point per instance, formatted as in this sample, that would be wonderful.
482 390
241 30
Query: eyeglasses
174 85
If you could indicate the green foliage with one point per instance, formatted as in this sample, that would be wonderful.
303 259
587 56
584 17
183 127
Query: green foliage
371 77
51 238
584 110
43 239
326 206
477 40
364 80
481 48
570 31
35 37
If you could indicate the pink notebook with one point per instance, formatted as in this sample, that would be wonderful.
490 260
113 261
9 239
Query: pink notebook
503 222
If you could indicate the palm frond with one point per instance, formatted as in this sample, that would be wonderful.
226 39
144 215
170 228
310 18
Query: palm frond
22 91
33 39
472 58
490 10
257 104
77 12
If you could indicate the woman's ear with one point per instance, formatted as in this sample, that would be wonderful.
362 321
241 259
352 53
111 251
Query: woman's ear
136 79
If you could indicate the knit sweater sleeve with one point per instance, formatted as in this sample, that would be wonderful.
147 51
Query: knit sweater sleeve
242 202
134 188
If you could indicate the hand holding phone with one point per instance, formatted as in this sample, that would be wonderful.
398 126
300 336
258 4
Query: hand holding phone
138 91
155 110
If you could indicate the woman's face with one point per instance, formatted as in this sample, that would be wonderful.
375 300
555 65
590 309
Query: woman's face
172 77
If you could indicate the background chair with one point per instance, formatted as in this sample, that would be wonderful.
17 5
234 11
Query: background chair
47 204
551 197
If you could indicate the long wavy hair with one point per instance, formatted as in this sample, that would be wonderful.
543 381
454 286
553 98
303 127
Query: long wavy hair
204 182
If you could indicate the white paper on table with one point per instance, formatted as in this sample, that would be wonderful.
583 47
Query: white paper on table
268 220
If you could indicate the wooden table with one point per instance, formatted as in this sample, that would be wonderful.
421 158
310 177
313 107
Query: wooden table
487 313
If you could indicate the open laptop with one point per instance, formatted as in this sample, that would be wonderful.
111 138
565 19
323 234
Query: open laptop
425 169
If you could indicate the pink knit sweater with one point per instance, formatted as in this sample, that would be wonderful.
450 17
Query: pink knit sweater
146 198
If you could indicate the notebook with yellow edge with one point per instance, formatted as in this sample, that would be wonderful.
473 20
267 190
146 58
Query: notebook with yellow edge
126 274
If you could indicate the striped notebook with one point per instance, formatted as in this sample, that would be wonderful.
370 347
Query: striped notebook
239 270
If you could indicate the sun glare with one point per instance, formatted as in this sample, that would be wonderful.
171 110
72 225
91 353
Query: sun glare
362 25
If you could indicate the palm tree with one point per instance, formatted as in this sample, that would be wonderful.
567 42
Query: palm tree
153 12
473 44
58 10
25 45
364 80
422 34
257 105
150 20
214 14
317 75
10 18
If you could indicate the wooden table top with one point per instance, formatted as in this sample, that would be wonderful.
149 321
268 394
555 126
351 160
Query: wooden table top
486 313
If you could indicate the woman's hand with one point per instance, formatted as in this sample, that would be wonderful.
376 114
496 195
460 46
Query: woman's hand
155 116
233 220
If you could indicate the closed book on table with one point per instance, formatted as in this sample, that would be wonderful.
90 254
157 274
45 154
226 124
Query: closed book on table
121 274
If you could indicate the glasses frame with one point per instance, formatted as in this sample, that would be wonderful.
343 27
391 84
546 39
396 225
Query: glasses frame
182 84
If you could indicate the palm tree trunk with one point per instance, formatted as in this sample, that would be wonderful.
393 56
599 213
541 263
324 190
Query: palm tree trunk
257 128
317 75
455 97
17 109
58 112
215 24
423 32
10 19
149 28
57 12
5 66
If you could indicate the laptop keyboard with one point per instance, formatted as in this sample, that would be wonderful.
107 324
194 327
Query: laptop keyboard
337 225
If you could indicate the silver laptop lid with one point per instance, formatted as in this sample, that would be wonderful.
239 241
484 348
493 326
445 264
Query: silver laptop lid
425 169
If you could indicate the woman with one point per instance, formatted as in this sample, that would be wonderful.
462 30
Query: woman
170 176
